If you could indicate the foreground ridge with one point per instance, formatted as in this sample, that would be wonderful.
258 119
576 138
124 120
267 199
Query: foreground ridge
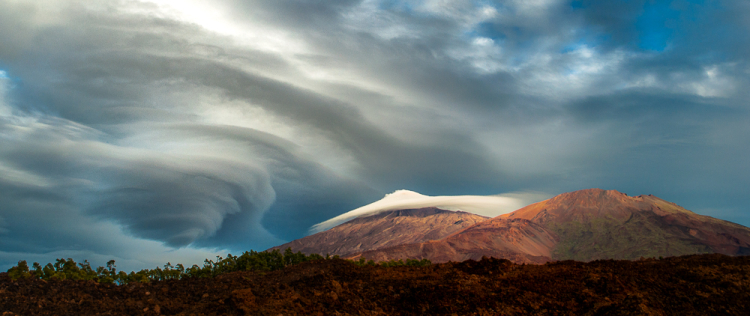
688 285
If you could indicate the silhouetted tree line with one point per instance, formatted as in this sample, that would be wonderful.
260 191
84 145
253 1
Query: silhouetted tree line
249 261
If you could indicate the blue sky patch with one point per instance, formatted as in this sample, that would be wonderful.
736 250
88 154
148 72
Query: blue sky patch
488 30
576 4
656 26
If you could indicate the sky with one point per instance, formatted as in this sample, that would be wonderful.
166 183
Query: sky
149 131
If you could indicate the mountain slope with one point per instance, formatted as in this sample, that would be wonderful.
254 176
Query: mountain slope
489 206
583 225
384 230
606 224
518 240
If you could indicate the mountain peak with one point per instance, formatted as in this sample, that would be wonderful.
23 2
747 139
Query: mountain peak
594 194
595 202
489 206
385 229
581 225
629 226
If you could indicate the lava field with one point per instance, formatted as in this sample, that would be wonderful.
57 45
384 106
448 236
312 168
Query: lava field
688 285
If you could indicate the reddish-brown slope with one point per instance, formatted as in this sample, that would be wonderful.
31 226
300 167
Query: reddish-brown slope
385 230
601 224
583 225
518 240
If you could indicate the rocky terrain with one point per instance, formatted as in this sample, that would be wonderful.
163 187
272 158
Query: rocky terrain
691 285
386 229
583 225
518 240
606 224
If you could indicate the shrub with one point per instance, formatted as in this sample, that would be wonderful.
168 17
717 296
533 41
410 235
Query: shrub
249 261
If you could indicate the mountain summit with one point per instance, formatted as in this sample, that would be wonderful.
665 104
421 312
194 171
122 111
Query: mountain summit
583 225
483 205
602 224
385 229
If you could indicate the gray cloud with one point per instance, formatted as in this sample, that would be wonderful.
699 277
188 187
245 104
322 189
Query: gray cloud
197 128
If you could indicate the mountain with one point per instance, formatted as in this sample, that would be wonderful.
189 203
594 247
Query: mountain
385 229
606 224
518 240
583 225
491 206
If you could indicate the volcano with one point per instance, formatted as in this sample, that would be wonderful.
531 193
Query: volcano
606 224
385 229
582 225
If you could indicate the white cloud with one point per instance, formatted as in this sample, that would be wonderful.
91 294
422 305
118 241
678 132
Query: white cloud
483 53
562 76
465 12
489 206
533 8
368 17
713 83
21 177
219 18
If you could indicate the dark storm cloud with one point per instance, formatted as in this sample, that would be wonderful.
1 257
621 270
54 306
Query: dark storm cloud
83 97
174 198
178 199
240 124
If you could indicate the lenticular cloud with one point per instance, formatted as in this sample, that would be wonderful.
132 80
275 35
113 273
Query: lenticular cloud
490 206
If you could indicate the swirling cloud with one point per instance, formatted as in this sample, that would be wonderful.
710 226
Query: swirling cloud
235 125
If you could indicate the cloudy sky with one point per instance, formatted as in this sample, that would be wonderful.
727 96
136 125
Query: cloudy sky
149 131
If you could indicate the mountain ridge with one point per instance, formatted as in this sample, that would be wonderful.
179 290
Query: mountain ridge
518 240
607 224
384 229
582 225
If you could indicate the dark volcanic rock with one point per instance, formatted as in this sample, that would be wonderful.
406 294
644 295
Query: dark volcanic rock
691 285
